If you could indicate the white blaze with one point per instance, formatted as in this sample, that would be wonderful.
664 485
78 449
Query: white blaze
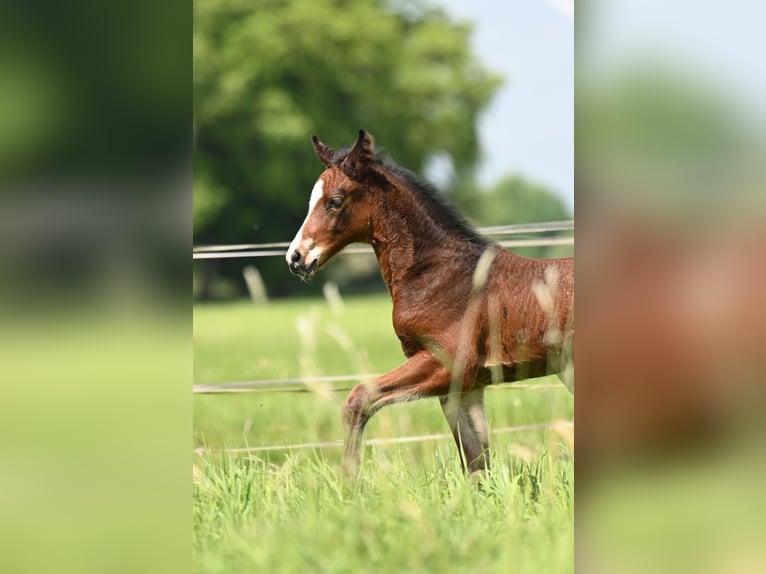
316 195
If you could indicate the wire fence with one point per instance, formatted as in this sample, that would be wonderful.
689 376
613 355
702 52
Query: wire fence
247 250
381 441
309 384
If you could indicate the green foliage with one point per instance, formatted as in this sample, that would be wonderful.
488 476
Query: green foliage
269 74
654 113
514 200
667 141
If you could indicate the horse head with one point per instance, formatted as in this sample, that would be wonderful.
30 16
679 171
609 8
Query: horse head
339 207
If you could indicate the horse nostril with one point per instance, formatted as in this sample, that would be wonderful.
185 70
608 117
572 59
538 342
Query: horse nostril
296 256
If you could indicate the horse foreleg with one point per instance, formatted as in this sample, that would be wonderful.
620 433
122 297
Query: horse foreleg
465 414
421 376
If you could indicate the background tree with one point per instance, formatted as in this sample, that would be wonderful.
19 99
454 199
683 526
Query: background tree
513 200
269 74
516 200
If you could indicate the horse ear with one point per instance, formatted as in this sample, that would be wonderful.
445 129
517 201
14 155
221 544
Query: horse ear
324 152
360 155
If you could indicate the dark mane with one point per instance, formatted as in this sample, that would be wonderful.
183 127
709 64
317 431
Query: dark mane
434 201
425 192
339 155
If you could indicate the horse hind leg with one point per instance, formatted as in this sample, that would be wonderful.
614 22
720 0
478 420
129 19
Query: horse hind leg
467 420
566 370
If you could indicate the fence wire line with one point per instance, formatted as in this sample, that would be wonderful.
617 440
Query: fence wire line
379 441
355 249
303 385
244 250
271 384
278 248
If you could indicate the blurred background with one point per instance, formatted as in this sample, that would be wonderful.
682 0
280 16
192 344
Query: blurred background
95 231
670 279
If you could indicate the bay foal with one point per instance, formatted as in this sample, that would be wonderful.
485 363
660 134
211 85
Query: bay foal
467 312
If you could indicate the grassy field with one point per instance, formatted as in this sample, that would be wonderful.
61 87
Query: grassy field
411 508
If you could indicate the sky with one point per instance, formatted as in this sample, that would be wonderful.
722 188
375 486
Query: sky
528 129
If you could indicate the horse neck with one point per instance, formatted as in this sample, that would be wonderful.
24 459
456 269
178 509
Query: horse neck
407 238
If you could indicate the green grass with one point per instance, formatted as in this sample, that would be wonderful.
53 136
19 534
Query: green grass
411 508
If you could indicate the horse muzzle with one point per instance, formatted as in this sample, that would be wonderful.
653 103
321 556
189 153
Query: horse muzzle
297 265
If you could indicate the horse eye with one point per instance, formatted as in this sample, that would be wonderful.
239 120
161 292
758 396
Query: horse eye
335 202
